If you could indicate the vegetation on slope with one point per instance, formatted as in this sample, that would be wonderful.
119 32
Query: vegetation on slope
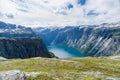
117 35
66 69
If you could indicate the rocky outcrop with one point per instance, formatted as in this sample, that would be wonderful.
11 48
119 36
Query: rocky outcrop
23 48
18 75
110 78
12 75
93 40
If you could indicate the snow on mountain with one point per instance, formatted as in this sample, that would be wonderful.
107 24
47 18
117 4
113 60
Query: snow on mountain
93 40
12 30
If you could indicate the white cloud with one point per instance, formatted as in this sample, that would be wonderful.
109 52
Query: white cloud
56 12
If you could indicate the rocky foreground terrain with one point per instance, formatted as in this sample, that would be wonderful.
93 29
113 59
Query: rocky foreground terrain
61 69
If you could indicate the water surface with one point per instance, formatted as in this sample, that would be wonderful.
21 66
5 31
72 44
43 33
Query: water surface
65 52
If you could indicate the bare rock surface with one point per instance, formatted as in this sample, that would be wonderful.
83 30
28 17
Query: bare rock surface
12 75
110 78
17 75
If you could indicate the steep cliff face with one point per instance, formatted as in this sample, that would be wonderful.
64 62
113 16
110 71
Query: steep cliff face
96 40
102 42
12 30
23 48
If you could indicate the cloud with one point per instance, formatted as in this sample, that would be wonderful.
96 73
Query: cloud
10 16
92 13
59 12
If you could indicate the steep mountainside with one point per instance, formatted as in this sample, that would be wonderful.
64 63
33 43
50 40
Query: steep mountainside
12 30
95 40
23 48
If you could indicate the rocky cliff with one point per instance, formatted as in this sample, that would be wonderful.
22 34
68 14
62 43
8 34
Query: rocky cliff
93 40
23 48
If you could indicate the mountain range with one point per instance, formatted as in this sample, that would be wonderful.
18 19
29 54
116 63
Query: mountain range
17 41
93 40
11 30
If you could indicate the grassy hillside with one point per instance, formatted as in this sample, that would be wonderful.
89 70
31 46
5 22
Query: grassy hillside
117 35
66 69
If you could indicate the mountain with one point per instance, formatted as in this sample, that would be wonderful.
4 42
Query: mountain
93 40
23 48
12 30
17 41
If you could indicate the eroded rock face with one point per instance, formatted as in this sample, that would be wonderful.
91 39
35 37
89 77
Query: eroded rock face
23 48
12 75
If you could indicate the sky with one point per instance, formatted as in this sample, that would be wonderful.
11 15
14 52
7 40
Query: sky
42 13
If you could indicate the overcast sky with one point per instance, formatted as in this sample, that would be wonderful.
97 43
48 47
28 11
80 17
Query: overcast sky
59 12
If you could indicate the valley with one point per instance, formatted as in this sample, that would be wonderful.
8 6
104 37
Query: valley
59 39
92 40
69 53
70 41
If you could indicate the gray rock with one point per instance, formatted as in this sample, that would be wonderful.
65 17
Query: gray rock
18 75
12 75
110 78
95 73
34 73
2 58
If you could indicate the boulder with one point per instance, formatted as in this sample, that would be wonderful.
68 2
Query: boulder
12 75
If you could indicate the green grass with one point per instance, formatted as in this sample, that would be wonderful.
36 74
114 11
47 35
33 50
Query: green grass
116 35
65 69
40 77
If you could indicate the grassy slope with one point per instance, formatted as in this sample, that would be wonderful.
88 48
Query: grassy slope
116 35
66 69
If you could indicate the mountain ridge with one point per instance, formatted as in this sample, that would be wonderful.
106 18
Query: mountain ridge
102 40
11 30
93 40
17 41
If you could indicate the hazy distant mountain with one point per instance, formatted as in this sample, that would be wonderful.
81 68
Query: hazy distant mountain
12 30
95 40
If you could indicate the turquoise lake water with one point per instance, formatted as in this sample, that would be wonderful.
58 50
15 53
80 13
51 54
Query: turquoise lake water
65 52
